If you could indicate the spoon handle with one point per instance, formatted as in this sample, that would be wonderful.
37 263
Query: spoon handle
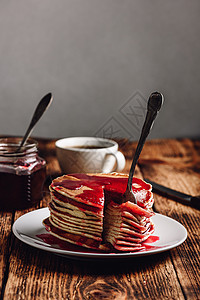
40 109
154 104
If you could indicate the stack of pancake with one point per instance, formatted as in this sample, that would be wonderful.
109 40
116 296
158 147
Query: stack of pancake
87 210
127 225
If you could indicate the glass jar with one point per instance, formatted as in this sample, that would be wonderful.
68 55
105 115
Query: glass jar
22 174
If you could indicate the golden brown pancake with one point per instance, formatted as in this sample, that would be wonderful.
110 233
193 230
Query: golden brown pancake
87 210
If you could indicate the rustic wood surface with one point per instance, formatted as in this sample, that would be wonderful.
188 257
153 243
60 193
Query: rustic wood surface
28 273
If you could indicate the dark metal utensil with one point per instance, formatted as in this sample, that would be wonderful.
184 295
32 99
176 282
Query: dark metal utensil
177 196
154 104
39 111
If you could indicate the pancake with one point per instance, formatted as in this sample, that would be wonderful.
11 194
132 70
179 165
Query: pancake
87 210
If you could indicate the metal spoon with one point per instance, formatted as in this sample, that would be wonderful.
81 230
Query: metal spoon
154 104
40 109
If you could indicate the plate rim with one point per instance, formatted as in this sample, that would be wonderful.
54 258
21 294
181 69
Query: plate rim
76 254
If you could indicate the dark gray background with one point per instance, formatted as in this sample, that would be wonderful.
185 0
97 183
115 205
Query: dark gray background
100 59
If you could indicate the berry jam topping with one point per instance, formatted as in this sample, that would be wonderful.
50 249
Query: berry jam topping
96 185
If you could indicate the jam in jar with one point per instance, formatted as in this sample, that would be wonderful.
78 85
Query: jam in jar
22 174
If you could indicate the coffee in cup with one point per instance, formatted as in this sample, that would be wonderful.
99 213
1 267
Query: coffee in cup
89 155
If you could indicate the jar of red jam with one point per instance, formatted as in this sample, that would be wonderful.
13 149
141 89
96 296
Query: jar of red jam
22 174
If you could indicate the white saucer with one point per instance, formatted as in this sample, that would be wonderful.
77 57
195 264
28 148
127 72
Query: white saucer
168 234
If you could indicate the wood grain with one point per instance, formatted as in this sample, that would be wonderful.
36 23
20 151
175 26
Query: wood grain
34 274
186 257
5 246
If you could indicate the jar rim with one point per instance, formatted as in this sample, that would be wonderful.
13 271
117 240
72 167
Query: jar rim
10 144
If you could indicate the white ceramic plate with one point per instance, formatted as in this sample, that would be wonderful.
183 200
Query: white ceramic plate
168 234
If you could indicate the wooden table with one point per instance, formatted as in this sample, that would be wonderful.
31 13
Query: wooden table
28 273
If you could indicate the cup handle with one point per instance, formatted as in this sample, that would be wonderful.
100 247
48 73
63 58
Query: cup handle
120 162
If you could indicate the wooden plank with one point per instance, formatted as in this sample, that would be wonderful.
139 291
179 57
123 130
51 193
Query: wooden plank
5 246
35 274
176 168
46 276
140 278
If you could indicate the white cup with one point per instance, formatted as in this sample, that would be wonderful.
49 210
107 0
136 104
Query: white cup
89 155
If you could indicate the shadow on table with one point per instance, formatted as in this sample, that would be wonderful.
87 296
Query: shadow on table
46 261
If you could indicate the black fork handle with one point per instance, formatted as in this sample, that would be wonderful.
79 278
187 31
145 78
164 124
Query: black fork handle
154 104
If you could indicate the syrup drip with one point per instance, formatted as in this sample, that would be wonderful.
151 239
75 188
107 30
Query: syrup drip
96 184
53 241
63 245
